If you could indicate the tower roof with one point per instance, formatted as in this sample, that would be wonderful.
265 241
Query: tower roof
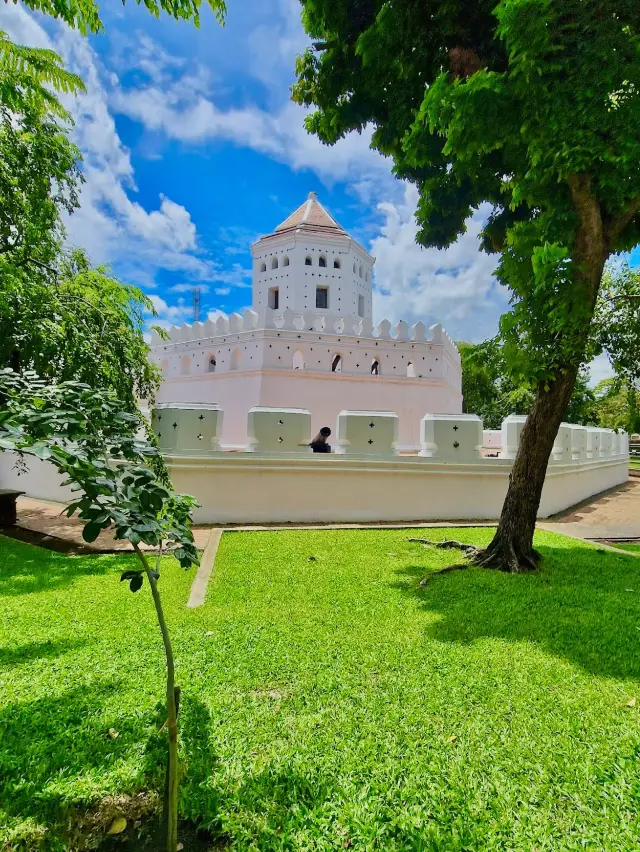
312 217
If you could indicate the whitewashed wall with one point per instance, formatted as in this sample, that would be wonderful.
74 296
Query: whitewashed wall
367 481
234 488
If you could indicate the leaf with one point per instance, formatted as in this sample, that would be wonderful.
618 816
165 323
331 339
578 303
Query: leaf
136 583
452 738
113 733
128 575
631 702
91 532
117 826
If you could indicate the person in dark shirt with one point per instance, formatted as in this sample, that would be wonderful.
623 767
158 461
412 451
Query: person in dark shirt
319 443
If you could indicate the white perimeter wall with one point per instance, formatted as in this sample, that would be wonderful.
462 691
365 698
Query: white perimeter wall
40 480
247 488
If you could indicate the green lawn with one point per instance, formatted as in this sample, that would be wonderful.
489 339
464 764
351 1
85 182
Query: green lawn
333 703
634 463
633 547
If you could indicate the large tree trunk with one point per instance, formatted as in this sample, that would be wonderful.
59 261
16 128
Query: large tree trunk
512 546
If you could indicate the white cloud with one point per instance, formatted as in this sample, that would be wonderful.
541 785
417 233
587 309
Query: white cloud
600 368
168 315
273 46
454 286
111 225
181 111
222 291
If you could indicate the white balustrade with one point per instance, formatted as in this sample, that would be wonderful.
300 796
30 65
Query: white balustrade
578 443
371 433
187 428
593 443
279 430
512 427
561 451
451 438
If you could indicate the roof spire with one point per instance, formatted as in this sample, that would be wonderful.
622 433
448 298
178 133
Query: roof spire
311 216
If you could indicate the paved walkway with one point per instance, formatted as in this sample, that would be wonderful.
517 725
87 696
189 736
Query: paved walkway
613 515
48 520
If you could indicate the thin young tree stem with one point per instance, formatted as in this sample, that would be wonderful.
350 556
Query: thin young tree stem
172 715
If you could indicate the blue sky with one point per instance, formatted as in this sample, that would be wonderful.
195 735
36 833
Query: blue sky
192 149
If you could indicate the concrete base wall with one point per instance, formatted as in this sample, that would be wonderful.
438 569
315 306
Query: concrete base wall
344 489
239 488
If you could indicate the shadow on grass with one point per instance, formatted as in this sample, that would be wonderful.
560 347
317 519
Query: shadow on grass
47 746
50 740
583 605
25 569
16 655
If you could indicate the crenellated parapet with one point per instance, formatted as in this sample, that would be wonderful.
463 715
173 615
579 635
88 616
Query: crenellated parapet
310 342
305 321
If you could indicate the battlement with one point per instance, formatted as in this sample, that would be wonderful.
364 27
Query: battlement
308 322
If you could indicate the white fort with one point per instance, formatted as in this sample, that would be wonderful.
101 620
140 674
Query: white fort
309 342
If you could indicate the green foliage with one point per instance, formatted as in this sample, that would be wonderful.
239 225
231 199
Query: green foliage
490 391
617 322
84 15
618 405
530 106
333 702
78 322
27 75
39 177
89 438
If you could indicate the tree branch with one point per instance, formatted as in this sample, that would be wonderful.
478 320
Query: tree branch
619 223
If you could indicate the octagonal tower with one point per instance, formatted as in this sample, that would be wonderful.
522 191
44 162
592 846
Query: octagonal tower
310 263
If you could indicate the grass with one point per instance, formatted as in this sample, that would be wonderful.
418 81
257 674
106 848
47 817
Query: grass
331 703
631 546
634 463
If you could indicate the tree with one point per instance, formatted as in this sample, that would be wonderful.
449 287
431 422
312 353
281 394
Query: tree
85 14
489 391
618 405
78 322
617 322
88 436
530 106
39 165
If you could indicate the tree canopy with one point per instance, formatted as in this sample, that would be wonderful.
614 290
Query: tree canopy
84 15
78 322
617 322
489 390
530 107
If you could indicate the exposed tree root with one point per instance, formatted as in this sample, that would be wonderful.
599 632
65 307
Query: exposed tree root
467 549
501 555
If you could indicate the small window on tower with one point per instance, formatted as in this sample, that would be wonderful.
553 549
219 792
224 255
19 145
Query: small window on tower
274 298
336 264
307 261
360 272
274 263
285 261
360 306
322 261
263 267
322 298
